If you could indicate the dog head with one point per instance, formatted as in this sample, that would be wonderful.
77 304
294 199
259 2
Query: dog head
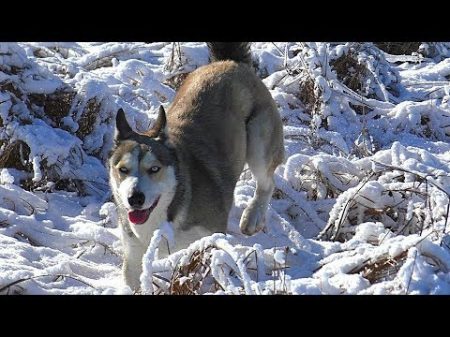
142 169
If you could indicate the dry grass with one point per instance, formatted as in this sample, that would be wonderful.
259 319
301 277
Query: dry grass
87 120
176 81
278 194
399 48
51 51
311 97
349 71
175 65
10 70
384 268
427 127
56 105
360 109
190 278
307 94
195 276
22 237
9 87
395 216
103 62
16 155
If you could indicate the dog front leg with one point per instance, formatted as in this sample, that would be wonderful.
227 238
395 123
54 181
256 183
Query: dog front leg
134 250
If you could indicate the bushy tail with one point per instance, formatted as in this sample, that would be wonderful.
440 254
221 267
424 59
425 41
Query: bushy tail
236 51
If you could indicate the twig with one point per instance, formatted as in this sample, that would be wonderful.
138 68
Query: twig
412 272
38 276
281 53
343 212
415 174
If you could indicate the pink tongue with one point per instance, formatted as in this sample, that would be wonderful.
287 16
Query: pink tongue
138 217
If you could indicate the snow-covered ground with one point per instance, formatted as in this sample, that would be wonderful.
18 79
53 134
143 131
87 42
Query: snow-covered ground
361 205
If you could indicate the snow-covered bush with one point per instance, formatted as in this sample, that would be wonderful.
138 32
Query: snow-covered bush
55 134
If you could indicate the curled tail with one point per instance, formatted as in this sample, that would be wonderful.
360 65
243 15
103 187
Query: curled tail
236 51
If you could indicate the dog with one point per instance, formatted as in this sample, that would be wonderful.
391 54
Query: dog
185 168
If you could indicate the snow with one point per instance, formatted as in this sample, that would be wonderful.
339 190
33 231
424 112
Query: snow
361 204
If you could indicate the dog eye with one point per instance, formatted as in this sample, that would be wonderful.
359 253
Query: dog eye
124 170
154 169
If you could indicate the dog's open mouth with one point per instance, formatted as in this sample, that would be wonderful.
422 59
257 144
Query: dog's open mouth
139 216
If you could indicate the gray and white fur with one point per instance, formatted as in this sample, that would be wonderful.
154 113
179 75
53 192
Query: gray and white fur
185 168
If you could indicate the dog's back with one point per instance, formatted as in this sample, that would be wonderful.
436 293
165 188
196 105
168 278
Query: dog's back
208 124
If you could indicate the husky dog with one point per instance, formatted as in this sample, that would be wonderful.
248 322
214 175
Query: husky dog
185 168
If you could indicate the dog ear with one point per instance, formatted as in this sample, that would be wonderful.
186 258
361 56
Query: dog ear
123 129
159 128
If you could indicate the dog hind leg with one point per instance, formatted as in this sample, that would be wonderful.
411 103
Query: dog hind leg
265 151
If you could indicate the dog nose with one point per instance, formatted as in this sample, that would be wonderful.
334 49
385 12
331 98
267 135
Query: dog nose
137 199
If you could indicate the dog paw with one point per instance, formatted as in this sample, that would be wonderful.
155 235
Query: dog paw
131 278
253 219
133 283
